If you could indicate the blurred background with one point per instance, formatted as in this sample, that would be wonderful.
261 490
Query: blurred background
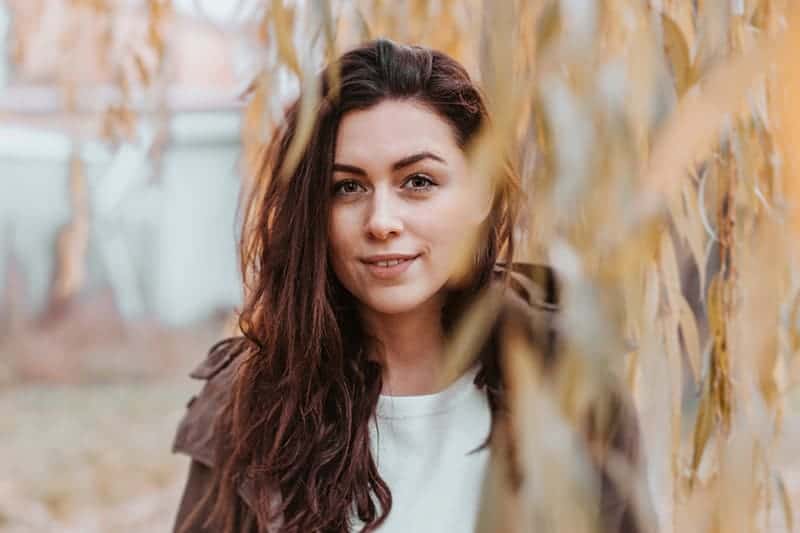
657 141
120 155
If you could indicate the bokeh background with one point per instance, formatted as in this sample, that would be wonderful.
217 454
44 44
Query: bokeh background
658 143
120 155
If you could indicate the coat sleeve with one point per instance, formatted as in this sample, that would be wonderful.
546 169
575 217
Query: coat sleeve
195 436
612 430
622 503
197 484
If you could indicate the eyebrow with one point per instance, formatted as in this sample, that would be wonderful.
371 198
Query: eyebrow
402 163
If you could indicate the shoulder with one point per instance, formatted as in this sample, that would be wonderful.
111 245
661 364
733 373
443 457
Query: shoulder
195 434
610 425
529 301
528 287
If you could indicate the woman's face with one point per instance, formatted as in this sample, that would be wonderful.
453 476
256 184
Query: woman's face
404 205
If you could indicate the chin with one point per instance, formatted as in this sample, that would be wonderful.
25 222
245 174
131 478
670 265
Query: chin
396 300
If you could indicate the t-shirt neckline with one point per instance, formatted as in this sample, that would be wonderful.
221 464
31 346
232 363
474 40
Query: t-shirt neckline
428 404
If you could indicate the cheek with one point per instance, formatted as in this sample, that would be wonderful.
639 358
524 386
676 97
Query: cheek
450 218
343 233
449 226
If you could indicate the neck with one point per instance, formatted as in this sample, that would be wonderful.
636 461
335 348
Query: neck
410 348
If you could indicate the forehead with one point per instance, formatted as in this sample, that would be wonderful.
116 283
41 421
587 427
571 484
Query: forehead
391 130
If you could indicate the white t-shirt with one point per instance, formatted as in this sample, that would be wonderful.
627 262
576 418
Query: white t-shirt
422 447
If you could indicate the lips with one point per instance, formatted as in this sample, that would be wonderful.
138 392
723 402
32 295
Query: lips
388 259
389 266
389 263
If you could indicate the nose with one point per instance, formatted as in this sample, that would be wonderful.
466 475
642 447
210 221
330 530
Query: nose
383 219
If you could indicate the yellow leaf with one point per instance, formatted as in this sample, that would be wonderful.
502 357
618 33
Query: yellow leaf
787 109
283 24
141 69
651 295
470 334
548 27
670 276
793 324
691 129
677 52
694 232
704 424
498 505
786 502
672 348
691 337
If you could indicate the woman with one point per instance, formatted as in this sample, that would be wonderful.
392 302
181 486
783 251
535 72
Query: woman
327 414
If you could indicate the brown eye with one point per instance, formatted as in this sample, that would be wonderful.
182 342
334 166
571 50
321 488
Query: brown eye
347 187
419 182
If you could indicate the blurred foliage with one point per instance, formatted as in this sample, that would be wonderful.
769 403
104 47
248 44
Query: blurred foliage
658 145
656 142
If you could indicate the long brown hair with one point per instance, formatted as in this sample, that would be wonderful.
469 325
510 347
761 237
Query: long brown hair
297 421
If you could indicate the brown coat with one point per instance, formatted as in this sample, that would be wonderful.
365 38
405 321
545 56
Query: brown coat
534 298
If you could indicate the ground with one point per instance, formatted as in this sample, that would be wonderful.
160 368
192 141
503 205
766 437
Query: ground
88 410
91 458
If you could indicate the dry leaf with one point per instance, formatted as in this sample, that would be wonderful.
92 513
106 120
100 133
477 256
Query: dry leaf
678 53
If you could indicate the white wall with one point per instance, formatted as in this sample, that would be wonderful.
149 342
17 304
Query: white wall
34 203
196 241
166 246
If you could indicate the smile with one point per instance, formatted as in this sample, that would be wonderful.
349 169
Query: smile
391 262
387 267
